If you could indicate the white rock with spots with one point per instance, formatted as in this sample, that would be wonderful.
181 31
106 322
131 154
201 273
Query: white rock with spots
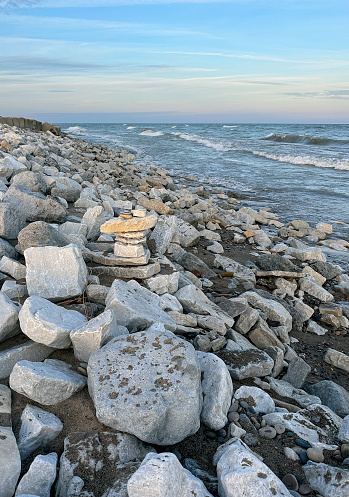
256 398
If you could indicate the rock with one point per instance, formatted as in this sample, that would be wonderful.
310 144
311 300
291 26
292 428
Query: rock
154 205
161 401
314 327
40 234
238 270
140 272
337 359
247 320
33 181
7 249
326 269
36 206
247 363
162 234
47 383
309 286
47 323
13 290
285 389
104 457
5 407
317 277
40 476
136 309
304 310
217 389
91 336
9 325
120 225
162 474
186 233
262 337
242 473
290 481
332 395
163 283
275 262
268 432
30 350
216 248
12 220
211 323
306 254
256 398
93 218
9 166
297 372
278 357
66 188
194 300
234 307
193 263
343 434
327 480
12 268
55 273
10 462
38 429
315 455
274 310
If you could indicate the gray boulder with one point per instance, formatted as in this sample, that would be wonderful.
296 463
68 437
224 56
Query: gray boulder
10 462
7 249
33 181
30 351
275 262
9 325
47 323
327 480
9 166
332 395
55 273
160 402
40 477
93 218
35 205
12 220
162 234
47 383
40 234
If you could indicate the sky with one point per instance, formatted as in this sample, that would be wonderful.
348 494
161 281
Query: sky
175 60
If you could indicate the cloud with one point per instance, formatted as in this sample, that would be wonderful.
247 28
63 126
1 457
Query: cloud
23 63
98 3
324 94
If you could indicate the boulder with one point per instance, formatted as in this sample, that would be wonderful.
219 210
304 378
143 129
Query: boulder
7 249
30 351
256 398
36 206
275 262
40 234
55 273
38 429
160 401
40 477
162 475
162 234
217 388
12 268
238 270
135 308
274 311
297 372
309 286
47 383
9 166
247 363
33 181
337 359
12 220
93 335
48 323
10 462
327 480
343 434
93 218
9 325
332 395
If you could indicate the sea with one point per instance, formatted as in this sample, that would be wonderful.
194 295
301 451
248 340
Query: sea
300 171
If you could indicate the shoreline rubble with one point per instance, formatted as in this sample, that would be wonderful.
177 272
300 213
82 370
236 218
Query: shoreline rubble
157 305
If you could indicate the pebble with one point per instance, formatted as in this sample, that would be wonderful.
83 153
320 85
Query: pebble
290 482
302 443
345 451
250 440
304 489
244 404
220 439
280 429
234 407
222 432
315 455
303 457
233 416
294 493
263 423
291 454
268 432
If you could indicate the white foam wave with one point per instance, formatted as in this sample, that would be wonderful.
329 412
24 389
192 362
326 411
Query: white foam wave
76 130
131 127
217 145
307 160
225 126
149 132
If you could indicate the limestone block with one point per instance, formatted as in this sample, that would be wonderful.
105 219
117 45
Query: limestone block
13 290
38 429
327 480
247 363
122 250
217 388
40 477
163 283
337 359
47 383
12 221
309 286
231 266
9 325
117 225
262 337
48 323
9 166
95 334
10 462
160 402
162 234
256 398
273 310
30 351
55 273
186 233
40 234
93 218
13 268
247 320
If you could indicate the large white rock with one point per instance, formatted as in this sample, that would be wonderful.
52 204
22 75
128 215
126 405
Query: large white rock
273 310
256 398
12 221
162 475
5 405
47 382
10 462
147 384
240 473
93 218
9 325
93 335
31 351
162 234
12 268
217 388
309 286
135 308
48 323
55 273
38 428
327 480
40 477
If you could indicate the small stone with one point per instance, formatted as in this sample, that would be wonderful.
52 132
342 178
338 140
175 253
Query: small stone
251 440
301 443
280 429
210 434
315 455
233 416
344 451
267 432
304 489
290 481
234 407
303 457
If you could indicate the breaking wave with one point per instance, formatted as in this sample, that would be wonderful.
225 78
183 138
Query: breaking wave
217 145
307 139
149 132
76 131
307 160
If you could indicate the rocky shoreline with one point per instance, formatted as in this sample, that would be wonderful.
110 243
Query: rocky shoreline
162 339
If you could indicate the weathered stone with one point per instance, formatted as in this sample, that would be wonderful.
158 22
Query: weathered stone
9 166
256 398
38 429
262 337
7 249
275 262
337 359
238 270
35 206
47 383
247 363
93 218
325 227
274 310
163 283
113 260
55 273
12 220
66 188
13 290
247 320
10 462
304 310
154 205
40 234
12 268
162 475
306 254
122 250
211 323
193 263
162 234
327 480
317 277
297 372
331 308
30 350
93 335
326 269
309 286
9 326
117 225
217 389
160 402
332 395
47 323
314 327
40 477
278 357
139 272
33 181
343 434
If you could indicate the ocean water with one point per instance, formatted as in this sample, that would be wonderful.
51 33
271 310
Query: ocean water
299 171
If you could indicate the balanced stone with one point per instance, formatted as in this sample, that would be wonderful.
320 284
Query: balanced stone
117 225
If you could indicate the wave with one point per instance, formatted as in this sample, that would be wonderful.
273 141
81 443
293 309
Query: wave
220 146
76 130
131 127
225 126
307 160
307 139
149 132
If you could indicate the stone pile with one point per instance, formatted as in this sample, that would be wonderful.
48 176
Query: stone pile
126 314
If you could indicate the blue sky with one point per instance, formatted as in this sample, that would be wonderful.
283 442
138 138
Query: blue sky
175 60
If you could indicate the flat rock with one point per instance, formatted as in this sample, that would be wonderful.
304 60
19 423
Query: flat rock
297 372
119 225
160 402
55 273
327 480
40 477
30 351
238 270
247 363
256 398
48 323
275 262
128 272
309 286
10 462
12 220
337 359
274 310
47 383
